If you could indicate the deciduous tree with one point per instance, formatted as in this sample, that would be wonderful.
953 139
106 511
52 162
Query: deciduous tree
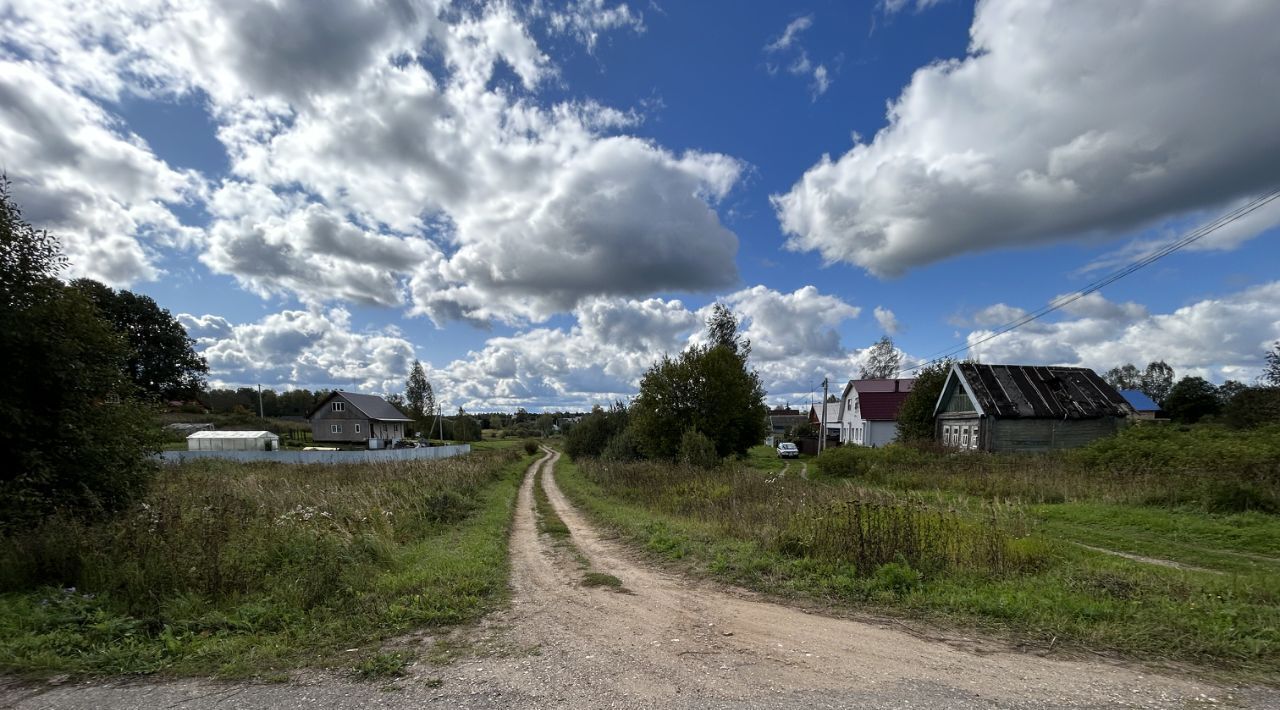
1191 400
162 361
915 418
709 389
1271 373
883 361
1156 381
72 436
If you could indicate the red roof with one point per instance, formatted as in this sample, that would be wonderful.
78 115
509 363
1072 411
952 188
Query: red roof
880 400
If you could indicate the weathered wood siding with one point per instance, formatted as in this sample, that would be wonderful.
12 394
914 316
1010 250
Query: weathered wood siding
348 418
1014 435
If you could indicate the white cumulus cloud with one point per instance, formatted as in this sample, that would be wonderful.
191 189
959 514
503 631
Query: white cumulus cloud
1064 120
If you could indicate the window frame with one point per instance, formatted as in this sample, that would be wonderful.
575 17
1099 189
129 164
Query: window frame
337 406
335 428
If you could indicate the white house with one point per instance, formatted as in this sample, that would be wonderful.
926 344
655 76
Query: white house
869 411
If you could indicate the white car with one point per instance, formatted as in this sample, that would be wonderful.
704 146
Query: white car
788 450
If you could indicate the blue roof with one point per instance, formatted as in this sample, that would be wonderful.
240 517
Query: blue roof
1139 400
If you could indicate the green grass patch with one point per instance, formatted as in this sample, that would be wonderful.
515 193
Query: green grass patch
601 579
387 664
549 522
240 570
934 549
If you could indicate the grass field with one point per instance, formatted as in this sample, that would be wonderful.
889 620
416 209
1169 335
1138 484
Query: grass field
994 545
253 569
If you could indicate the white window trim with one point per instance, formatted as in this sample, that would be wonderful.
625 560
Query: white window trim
357 428
974 441
335 428
338 406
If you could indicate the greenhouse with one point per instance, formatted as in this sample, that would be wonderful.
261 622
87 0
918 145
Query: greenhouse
233 441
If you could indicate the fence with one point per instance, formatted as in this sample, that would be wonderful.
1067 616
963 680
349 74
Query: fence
327 457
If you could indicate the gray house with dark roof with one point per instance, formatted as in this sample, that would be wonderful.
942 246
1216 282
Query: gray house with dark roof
1007 408
351 417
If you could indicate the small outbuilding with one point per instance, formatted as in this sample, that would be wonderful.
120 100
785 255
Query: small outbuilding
1029 408
1144 407
233 441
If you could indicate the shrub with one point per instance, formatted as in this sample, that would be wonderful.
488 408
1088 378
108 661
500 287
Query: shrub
1239 497
588 437
623 447
896 577
530 447
697 450
842 462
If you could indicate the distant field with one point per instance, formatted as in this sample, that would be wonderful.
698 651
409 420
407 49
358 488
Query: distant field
1003 545
240 569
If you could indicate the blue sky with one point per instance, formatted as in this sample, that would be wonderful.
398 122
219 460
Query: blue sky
538 199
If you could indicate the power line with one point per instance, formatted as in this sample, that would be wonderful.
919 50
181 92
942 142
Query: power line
1058 303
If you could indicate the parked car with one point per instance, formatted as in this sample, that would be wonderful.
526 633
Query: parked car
788 450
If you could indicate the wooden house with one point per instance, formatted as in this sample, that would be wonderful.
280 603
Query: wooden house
869 410
351 417
1007 408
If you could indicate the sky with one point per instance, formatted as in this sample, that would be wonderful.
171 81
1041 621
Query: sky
539 199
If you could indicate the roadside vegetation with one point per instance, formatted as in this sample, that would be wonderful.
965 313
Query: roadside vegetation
251 569
1016 545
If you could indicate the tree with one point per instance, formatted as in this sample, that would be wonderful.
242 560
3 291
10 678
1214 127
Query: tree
722 330
162 361
915 418
72 436
420 398
544 422
592 436
1156 381
1228 390
1125 377
465 427
1252 407
883 361
1271 373
709 389
1192 399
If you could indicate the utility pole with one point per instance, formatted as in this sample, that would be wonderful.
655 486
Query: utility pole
822 425
260 415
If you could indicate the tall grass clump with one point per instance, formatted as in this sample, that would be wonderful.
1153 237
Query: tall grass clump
1212 468
223 561
846 524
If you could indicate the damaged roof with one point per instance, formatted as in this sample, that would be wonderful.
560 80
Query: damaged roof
1041 392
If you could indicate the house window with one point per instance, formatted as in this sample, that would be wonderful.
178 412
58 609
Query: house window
974 441
849 405
946 435
964 437
335 428
357 428
339 407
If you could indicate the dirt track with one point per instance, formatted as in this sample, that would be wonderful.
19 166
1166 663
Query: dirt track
669 642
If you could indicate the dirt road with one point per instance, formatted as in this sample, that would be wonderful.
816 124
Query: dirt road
668 642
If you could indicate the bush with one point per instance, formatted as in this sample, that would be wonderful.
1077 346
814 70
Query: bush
896 577
623 447
530 447
697 450
589 437
842 462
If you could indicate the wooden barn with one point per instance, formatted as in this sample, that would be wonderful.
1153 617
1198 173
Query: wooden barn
1021 408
